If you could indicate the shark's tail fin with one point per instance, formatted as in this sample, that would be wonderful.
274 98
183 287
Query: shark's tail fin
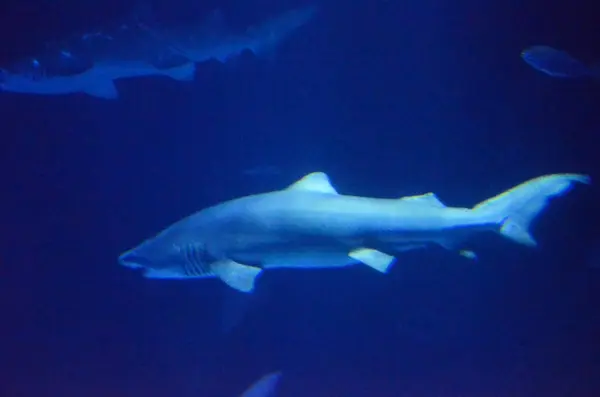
266 37
519 206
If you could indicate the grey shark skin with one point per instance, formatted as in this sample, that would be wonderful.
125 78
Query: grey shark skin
97 81
310 225
259 39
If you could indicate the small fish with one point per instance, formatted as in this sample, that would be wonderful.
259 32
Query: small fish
557 63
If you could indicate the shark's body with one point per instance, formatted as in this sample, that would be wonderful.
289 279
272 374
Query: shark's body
97 81
223 46
310 225
91 64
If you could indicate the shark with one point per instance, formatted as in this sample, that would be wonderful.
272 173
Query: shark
310 225
213 42
91 63
97 81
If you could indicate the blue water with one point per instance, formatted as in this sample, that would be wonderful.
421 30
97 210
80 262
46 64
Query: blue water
390 99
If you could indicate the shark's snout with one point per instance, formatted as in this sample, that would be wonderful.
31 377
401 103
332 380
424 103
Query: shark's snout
133 260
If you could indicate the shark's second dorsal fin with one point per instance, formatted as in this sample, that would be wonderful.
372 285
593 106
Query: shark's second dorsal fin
314 182
427 198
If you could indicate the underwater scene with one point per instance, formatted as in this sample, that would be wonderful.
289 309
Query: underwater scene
293 198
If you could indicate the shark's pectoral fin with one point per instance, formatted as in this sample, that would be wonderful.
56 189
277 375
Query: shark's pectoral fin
105 89
315 182
236 275
373 258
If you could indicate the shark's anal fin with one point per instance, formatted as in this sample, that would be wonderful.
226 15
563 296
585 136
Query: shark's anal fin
316 182
236 275
373 258
104 89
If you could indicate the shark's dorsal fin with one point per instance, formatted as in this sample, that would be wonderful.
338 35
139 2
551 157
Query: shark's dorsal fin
264 387
314 182
427 198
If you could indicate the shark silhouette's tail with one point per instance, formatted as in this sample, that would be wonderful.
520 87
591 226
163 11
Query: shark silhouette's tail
519 206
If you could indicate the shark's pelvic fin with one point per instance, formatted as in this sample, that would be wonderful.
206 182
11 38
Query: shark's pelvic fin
104 89
373 258
518 207
472 255
427 198
314 182
236 275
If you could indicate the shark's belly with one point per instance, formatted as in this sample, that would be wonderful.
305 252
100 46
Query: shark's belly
306 259
276 252
41 89
319 231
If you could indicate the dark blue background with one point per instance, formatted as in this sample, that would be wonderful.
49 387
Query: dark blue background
389 98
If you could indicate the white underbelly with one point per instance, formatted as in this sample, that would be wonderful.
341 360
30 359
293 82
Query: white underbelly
315 260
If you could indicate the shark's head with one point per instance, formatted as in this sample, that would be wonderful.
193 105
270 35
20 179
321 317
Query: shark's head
135 260
13 82
35 81
23 79
159 259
